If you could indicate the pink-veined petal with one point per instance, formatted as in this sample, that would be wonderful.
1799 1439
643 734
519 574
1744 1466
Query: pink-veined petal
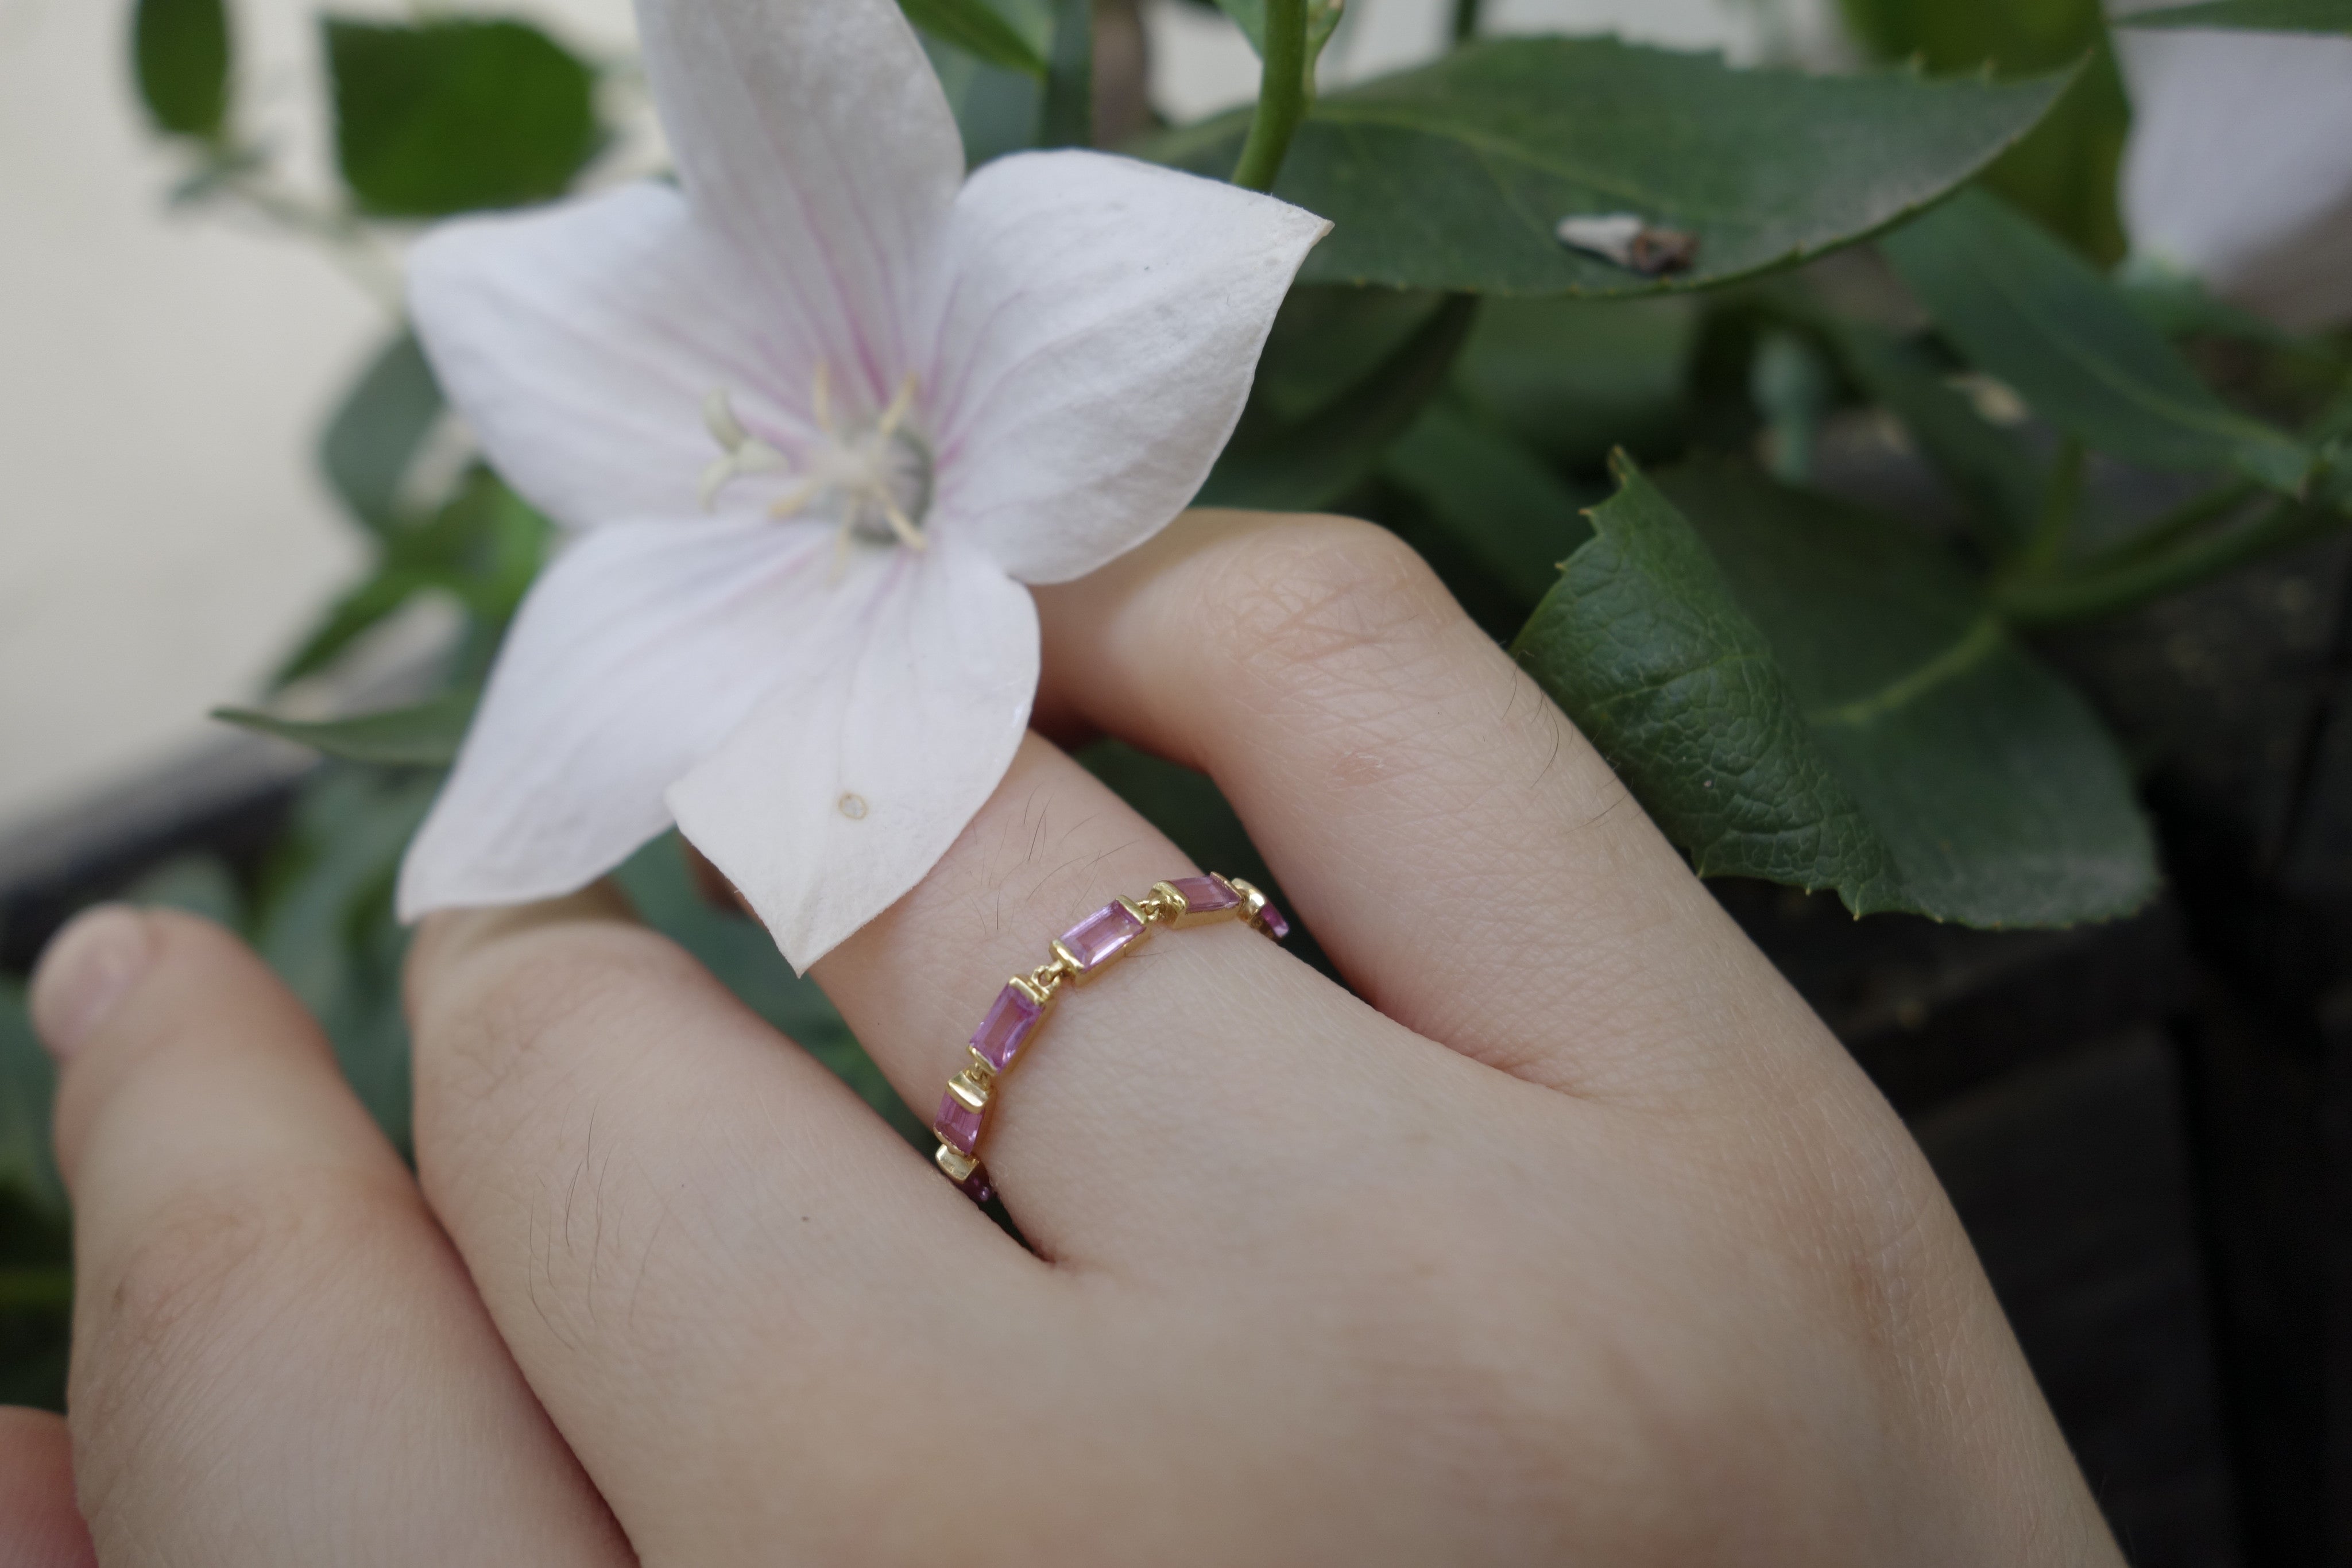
1098 327
582 341
858 770
635 656
814 135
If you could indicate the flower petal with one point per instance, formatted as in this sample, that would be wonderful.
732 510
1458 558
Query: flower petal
637 653
581 342
2240 165
814 135
860 768
1098 327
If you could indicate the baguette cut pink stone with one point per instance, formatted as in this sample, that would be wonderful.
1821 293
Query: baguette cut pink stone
1276 926
957 1124
1205 895
1101 935
1010 1020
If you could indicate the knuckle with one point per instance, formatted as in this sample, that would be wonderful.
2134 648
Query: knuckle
494 1019
209 1290
498 1036
1327 597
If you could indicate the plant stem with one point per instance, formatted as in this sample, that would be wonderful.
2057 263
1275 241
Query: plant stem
2131 584
2063 498
1465 20
2174 526
1281 95
36 1287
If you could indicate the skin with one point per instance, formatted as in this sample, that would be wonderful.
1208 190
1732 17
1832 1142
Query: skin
1577 1238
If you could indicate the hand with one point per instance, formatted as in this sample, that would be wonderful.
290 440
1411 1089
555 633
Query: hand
1576 1240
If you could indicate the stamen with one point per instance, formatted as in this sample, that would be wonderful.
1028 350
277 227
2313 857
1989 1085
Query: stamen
790 503
908 534
718 413
743 452
714 479
888 425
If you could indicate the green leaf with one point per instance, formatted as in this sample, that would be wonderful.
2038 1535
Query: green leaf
998 110
2252 16
28 1084
198 884
1516 517
1802 693
1576 379
1996 476
451 115
980 30
377 430
181 50
324 921
1310 462
425 735
2026 308
1455 176
351 616
2064 172
483 549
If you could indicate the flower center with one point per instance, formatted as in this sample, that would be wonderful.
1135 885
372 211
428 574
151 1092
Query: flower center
870 478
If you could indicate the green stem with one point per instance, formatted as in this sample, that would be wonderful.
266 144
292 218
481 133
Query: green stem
1465 20
1281 95
36 1287
2134 583
2060 503
2173 526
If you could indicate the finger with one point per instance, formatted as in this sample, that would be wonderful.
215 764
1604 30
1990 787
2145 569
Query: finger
1460 851
700 1244
39 1526
1159 1109
277 1358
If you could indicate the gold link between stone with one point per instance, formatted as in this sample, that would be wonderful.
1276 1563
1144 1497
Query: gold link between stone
976 1084
971 1089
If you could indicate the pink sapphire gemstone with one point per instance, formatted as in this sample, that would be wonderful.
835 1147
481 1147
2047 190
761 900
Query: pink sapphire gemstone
1276 926
1100 935
1010 1020
976 1186
957 1123
1205 895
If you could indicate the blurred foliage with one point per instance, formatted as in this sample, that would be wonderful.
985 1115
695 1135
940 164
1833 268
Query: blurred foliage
180 49
2064 172
453 114
2253 15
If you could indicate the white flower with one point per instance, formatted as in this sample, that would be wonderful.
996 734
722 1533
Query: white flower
2240 165
816 418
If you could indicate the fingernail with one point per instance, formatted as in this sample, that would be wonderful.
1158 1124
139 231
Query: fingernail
87 969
